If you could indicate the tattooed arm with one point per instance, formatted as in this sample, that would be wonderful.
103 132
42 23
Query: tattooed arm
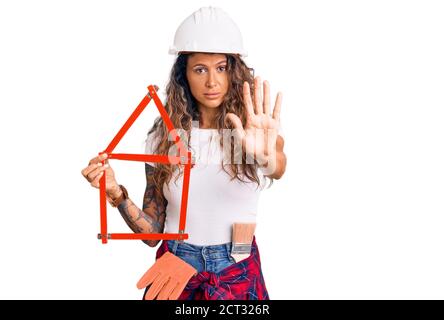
152 218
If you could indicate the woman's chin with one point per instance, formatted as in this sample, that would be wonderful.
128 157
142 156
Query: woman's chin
212 104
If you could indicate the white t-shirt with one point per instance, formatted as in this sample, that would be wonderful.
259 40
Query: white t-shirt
214 202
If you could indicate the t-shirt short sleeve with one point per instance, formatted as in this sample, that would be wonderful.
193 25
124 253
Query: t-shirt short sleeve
150 145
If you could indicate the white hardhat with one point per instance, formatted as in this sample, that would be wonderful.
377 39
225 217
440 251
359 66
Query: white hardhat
209 29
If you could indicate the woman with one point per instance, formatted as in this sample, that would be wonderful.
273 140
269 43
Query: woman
208 93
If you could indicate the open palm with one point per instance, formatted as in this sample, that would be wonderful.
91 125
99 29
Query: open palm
260 132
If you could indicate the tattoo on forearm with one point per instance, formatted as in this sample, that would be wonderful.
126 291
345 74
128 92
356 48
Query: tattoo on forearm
152 218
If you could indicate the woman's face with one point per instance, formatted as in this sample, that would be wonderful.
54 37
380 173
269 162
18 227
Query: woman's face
208 78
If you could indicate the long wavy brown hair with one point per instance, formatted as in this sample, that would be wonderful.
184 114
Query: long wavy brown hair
182 109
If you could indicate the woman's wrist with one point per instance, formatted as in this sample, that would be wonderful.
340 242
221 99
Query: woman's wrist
118 197
115 192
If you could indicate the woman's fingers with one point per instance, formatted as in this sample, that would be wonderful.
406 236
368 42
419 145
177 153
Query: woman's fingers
96 181
237 124
95 171
99 169
93 164
234 120
98 159
247 100
92 170
277 107
89 169
258 96
267 98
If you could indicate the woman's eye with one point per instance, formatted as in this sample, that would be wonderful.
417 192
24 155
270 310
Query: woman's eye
200 70
223 68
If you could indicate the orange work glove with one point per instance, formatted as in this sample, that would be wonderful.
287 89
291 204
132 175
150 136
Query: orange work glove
168 277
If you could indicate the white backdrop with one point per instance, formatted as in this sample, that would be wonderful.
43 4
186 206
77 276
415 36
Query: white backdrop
357 215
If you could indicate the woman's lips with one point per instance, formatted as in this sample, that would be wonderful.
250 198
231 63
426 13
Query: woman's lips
212 96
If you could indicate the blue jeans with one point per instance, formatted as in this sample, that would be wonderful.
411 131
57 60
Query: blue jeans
212 258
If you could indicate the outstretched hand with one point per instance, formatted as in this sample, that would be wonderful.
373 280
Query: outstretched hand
260 132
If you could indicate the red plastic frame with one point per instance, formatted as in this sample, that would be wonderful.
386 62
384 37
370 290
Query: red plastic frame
181 235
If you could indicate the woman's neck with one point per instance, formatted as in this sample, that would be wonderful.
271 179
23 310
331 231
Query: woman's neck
206 127
207 116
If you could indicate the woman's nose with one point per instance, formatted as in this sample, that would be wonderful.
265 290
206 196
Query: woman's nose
211 80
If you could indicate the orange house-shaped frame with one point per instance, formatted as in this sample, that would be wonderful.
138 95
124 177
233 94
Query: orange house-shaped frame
183 159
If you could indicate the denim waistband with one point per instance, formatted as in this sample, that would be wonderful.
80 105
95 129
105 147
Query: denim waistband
206 251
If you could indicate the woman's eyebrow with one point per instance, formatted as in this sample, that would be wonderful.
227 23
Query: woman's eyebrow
204 65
